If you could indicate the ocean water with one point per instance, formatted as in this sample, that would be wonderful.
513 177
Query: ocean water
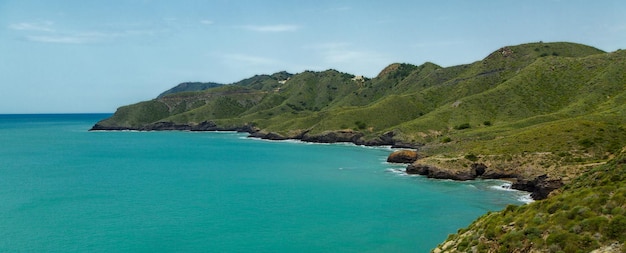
65 189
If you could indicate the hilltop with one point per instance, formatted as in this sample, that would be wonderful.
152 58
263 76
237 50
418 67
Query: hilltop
189 86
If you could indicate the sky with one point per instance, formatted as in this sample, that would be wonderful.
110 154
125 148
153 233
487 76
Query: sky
78 56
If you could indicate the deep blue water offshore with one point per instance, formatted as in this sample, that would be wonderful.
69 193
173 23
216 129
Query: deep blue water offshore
65 189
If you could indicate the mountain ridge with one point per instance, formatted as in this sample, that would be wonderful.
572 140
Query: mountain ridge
415 104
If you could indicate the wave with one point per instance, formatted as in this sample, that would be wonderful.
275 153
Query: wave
285 141
505 186
524 197
350 144
399 172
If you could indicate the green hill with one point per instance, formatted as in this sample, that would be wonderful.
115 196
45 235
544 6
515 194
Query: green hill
542 114
562 98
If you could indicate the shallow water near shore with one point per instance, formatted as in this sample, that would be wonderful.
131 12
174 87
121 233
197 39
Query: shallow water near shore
64 189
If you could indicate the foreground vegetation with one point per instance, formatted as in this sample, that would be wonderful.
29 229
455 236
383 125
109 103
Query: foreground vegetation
588 214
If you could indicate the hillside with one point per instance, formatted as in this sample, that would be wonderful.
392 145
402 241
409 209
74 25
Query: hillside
562 99
589 214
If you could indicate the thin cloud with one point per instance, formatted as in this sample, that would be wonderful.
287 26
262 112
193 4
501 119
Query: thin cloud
57 39
45 26
45 32
206 22
74 38
272 28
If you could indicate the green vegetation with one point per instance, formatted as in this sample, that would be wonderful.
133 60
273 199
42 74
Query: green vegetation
462 126
471 157
512 102
588 214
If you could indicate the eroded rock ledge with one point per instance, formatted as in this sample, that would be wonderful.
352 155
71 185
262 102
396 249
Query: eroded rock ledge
539 186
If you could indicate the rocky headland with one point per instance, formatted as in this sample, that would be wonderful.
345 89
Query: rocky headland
535 181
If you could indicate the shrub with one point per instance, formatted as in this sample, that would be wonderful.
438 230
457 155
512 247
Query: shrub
462 126
617 228
579 212
561 239
513 239
471 157
586 143
594 224
555 207
446 140
360 124
532 232
588 242
487 123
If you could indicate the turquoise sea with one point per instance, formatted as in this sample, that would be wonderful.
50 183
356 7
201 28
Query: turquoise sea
65 189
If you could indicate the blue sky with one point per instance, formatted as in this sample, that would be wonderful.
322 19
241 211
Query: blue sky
94 56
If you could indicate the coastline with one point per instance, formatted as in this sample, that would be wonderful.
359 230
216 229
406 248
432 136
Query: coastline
538 187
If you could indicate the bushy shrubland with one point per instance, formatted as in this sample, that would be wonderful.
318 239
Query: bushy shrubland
588 214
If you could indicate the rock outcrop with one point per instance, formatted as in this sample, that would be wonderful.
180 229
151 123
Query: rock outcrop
440 173
403 156
333 136
171 126
98 127
268 136
538 187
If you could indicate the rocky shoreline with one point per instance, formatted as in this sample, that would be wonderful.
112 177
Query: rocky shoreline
539 186
346 135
